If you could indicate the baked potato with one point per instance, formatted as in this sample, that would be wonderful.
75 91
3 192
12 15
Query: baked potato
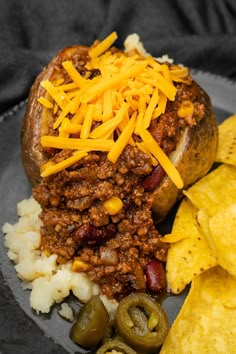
192 155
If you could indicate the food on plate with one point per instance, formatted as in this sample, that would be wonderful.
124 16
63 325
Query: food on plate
141 322
89 70
206 322
219 232
109 138
49 282
226 152
207 204
215 191
196 241
115 346
138 323
66 312
189 256
91 323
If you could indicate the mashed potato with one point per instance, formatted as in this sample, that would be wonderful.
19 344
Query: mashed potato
133 42
49 282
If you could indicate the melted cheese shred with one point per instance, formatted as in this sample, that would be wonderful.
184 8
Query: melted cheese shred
60 166
130 92
161 157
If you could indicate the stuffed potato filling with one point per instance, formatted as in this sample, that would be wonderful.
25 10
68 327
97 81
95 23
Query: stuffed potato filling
97 211
113 249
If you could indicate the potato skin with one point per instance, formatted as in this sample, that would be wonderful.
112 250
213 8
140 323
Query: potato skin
31 150
194 156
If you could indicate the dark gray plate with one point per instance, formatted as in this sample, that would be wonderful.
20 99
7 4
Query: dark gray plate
14 187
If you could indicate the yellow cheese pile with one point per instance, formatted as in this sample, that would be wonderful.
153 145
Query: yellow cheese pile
130 92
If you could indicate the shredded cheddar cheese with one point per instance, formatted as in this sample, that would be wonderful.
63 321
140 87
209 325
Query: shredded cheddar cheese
122 141
161 157
103 46
63 164
110 125
45 102
58 96
107 109
150 108
74 74
161 106
68 127
111 82
105 112
144 148
58 142
87 124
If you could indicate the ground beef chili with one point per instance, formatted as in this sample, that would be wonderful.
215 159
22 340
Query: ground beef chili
118 252
116 248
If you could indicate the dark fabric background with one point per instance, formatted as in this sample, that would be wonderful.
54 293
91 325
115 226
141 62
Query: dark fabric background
198 33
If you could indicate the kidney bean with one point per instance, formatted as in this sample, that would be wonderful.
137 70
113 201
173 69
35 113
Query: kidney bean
90 235
155 275
154 179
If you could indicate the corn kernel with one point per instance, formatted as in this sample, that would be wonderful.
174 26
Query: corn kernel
113 205
186 109
47 253
80 266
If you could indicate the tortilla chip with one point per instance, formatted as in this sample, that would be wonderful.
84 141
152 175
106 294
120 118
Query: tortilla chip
226 152
190 256
215 191
205 324
172 238
228 298
220 234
